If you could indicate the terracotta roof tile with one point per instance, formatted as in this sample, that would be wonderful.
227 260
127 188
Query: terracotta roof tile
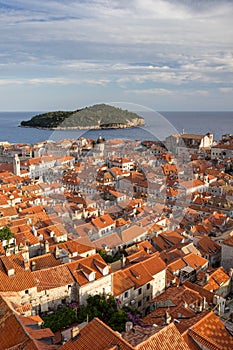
84 266
216 279
136 275
176 265
22 280
103 221
16 331
96 335
44 261
112 240
204 293
132 232
228 241
207 245
53 277
72 247
195 261
210 332
167 338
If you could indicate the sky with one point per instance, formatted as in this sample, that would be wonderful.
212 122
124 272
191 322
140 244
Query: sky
166 55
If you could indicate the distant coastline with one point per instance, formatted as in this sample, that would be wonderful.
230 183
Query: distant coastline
83 128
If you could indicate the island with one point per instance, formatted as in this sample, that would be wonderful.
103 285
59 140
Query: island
99 116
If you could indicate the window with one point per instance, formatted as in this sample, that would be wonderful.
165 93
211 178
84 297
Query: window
27 291
147 298
126 295
148 286
140 303
140 291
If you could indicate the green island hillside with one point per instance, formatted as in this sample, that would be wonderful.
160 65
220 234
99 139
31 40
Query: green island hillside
99 116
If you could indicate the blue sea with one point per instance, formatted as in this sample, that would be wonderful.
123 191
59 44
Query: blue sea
158 125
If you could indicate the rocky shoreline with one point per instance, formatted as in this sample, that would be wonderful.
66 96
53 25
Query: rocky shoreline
139 122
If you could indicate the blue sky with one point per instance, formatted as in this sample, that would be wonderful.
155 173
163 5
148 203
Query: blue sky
162 54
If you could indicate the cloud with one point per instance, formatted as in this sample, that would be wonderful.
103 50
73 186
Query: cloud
53 81
133 45
226 90
160 91
153 91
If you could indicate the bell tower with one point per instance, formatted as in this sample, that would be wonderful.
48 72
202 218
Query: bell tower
16 165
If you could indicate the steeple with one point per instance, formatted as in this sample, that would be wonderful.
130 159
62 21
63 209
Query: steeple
16 165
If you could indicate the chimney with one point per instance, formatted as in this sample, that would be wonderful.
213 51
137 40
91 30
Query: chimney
75 331
123 259
167 317
128 326
46 246
33 266
7 252
57 252
34 231
26 263
206 278
199 307
204 303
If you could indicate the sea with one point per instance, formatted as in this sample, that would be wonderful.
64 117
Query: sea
158 125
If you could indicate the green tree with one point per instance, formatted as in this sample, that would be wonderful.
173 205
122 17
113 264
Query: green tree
105 307
5 233
59 319
118 320
108 258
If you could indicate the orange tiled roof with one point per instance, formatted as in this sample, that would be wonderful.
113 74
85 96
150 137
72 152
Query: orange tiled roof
203 292
154 264
228 241
86 265
22 279
191 183
44 261
179 295
176 265
167 338
112 240
216 279
52 277
72 247
132 233
195 261
137 275
207 245
103 221
187 323
172 236
8 211
96 335
121 282
210 332
16 331
26 237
